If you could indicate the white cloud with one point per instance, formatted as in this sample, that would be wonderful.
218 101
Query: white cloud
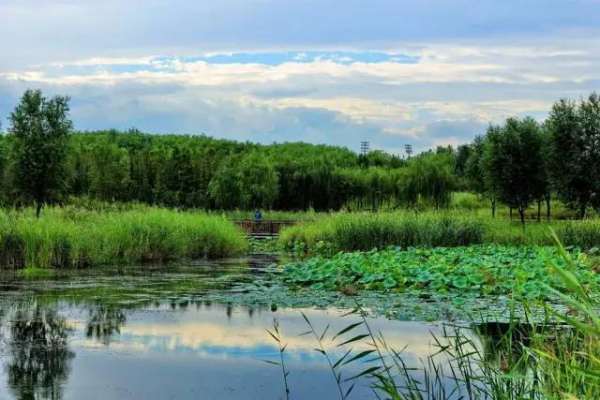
453 88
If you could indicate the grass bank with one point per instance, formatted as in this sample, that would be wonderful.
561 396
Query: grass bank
365 231
74 238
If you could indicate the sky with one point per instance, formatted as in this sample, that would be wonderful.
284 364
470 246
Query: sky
391 72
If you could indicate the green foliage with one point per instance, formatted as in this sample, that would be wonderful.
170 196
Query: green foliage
574 133
364 231
224 188
489 360
75 238
258 182
39 131
200 172
475 172
463 271
466 201
510 164
429 177
248 183
545 361
331 233
584 234
463 153
109 178
194 171
514 163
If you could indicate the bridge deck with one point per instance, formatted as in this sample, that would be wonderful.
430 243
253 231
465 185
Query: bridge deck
263 228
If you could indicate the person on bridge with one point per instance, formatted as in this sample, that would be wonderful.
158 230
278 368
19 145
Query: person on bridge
257 215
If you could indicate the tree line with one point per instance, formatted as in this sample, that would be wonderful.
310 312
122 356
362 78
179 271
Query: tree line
43 160
523 162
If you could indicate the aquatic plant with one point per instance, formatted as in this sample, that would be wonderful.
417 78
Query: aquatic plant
277 336
556 359
70 237
460 271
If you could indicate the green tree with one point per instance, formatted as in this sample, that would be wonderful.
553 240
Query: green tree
224 187
475 172
40 128
259 183
574 136
514 163
110 174
463 152
429 178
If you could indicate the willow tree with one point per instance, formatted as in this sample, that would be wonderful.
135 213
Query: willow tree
224 187
429 177
245 182
259 183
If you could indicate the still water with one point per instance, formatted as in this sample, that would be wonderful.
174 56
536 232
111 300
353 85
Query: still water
143 333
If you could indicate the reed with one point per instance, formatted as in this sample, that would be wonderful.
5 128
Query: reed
74 238
365 231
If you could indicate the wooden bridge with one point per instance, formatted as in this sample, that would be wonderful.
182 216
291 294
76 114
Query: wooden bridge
263 228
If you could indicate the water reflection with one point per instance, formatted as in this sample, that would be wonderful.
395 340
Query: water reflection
39 358
104 322
174 348
156 337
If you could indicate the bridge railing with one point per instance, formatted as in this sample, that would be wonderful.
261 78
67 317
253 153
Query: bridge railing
263 227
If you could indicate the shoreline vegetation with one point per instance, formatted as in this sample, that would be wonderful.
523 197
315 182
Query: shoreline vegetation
365 231
87 235
70 237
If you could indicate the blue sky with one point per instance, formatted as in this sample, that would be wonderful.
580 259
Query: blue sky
392 72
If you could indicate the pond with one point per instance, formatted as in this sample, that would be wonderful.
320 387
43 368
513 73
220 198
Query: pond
185 332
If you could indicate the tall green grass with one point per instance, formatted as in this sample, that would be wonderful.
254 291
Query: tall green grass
75 238
365 231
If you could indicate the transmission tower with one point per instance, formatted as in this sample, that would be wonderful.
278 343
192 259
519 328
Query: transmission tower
364 148
408 150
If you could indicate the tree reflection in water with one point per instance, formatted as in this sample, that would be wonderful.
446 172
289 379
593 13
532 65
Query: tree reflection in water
104 322
39 358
